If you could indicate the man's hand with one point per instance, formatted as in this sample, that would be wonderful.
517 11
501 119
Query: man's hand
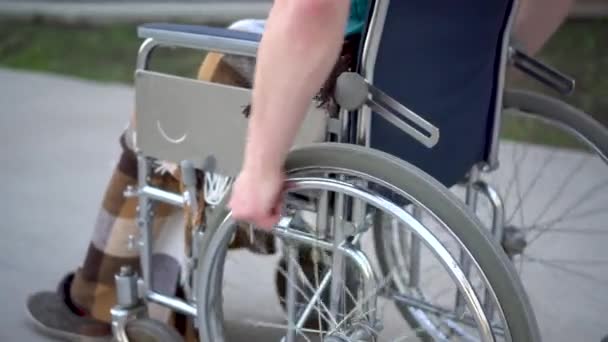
256 197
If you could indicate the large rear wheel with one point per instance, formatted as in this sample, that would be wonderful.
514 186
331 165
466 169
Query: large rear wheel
347 174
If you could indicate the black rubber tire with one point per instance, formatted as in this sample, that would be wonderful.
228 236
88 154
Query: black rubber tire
150 330
497 268
534 105
552 109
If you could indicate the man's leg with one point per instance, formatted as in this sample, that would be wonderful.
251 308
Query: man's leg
80 306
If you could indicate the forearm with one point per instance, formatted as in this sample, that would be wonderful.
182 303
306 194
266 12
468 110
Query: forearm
300 46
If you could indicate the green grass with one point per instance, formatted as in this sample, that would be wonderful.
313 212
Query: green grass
522 128
579 49
95 53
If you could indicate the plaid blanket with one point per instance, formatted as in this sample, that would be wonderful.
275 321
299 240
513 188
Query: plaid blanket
111 246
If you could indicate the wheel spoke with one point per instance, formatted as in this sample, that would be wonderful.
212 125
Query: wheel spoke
520 197
548 159
514 165
354 317
538 232
567 270
577 230
570 261
440 312
302 277
560 190
261 324
584 198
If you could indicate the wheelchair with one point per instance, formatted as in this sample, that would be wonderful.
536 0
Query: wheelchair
383 236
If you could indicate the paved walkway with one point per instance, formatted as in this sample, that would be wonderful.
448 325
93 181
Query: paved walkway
57 144
58 141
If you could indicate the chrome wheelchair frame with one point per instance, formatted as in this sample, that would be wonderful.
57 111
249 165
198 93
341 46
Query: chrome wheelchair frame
355 95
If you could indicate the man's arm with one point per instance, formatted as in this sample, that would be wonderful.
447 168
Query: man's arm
300 46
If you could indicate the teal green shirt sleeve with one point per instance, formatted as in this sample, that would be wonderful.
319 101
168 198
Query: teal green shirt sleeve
357 18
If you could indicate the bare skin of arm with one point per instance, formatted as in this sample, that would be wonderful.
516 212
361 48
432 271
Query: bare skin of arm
538 20
300 46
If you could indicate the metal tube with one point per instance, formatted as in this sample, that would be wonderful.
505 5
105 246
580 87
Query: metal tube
324 283
498 224
126 288
368 65
143 56
172 303
163 196
316 296
232 46
337 257
144 218
402 117
346 248
292 257
323 213
498 209
119 322
504 62
369 282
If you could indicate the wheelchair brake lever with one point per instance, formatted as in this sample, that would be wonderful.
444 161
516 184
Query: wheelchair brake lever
543 73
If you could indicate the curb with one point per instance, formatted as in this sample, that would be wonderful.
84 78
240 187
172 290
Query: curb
110 13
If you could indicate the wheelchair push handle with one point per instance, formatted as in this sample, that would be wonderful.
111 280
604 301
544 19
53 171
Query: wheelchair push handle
541 72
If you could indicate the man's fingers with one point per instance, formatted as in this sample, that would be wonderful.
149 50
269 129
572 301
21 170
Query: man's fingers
260 206
273 220
262 218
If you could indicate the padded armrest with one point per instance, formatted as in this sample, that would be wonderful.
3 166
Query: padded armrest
201 37
152 29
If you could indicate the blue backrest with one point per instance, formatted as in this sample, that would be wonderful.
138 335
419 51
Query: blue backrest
441 59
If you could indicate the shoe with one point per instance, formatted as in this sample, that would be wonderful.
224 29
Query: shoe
54 314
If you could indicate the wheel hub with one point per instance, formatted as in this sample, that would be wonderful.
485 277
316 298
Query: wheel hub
514 241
